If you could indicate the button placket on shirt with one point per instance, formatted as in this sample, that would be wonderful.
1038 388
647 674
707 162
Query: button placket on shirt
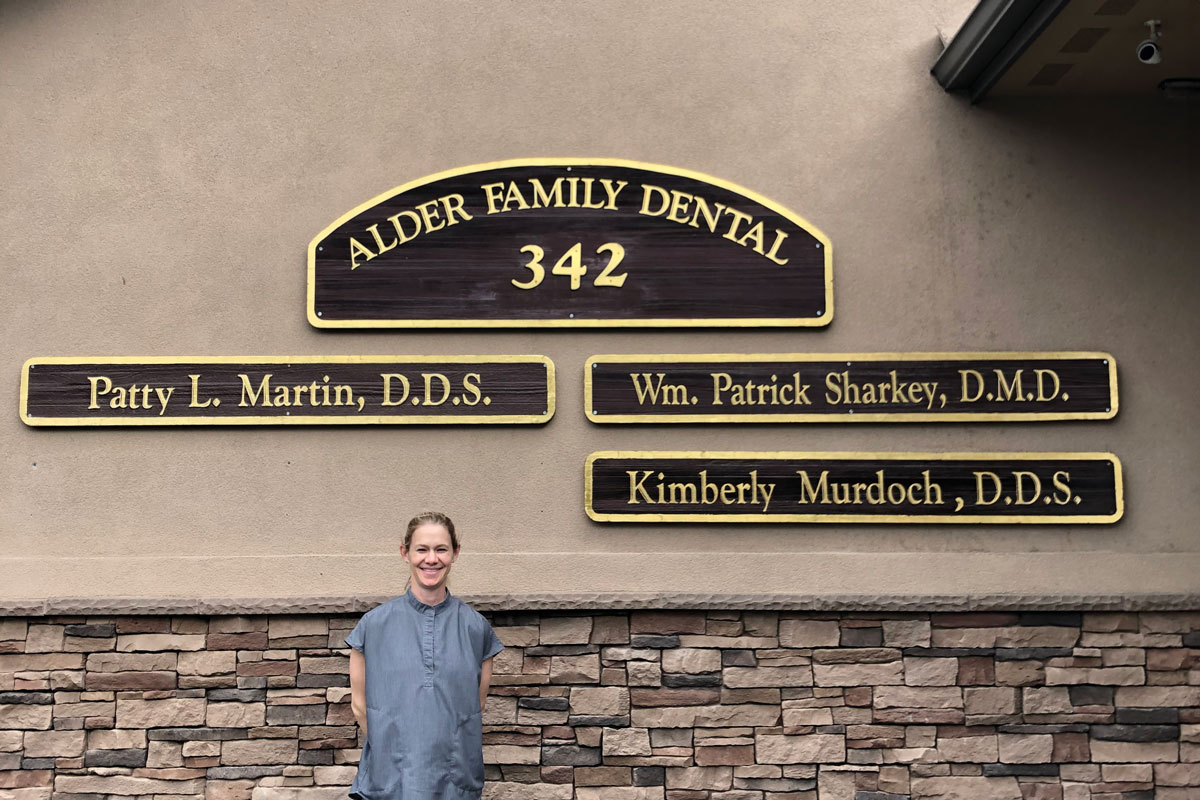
427 646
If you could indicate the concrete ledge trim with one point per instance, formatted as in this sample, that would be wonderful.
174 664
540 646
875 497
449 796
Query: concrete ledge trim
602 601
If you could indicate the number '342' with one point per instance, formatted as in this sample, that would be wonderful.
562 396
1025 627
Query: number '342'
571 265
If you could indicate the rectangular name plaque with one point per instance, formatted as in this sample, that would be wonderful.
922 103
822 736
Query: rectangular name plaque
1071 488
282 390
851 387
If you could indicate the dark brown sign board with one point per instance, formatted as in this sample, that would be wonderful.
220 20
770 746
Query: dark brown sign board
569 243
286 390
1071 488
850 387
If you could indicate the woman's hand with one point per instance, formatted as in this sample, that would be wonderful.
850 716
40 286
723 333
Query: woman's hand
485 679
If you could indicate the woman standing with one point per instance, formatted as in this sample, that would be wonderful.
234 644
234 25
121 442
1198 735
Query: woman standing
420 666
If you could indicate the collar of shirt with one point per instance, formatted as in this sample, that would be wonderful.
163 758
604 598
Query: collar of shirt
423 607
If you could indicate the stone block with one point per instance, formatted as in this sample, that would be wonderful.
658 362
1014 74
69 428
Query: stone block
918 697
121 681
698 696
969 749
1009 636
164 713
235 715
115 739
715 716
131 758
802 749
1026 748
125 785
1071 747
208 662
1104 751
965 787
325 665
39 662
44 639
575 669
148 642
643 673
500 790
716 779
802 717
809 633
54 744
131 662
667 622
1097 676
746 677
691 660
511 754
992 700
906 633
1046 700
334 776
11 780
599 701
870 674
626 742
1177 775
565 630
164 754
930 671
291 627
22 716
13 630
258 751
1158 696
298 793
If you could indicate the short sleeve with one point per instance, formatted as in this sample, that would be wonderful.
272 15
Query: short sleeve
492 644
357 637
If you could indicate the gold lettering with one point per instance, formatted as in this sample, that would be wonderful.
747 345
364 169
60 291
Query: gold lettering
358 249
779 237
663 196
492 191
195 402
453 204
680 201
544 199
383 248
388 377
94 380
430 214
263 393
406 237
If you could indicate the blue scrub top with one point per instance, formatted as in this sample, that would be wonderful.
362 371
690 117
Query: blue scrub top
424 726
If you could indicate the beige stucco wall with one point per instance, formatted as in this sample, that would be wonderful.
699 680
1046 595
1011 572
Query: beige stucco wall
165 166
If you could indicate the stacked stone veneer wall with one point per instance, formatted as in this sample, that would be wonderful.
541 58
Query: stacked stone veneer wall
670 705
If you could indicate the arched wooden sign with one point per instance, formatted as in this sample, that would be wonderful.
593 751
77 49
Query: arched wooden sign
569 243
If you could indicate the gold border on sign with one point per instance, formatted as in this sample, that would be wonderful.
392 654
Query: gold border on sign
498 419
845 416
732 322
665 455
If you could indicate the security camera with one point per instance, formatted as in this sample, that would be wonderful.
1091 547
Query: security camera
1149 51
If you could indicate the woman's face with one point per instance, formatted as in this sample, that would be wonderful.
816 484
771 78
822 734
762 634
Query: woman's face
429 555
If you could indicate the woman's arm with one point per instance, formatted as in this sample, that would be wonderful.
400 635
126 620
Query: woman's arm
485 679
358 688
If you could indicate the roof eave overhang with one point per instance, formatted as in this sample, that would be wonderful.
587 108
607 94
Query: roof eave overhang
994 36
